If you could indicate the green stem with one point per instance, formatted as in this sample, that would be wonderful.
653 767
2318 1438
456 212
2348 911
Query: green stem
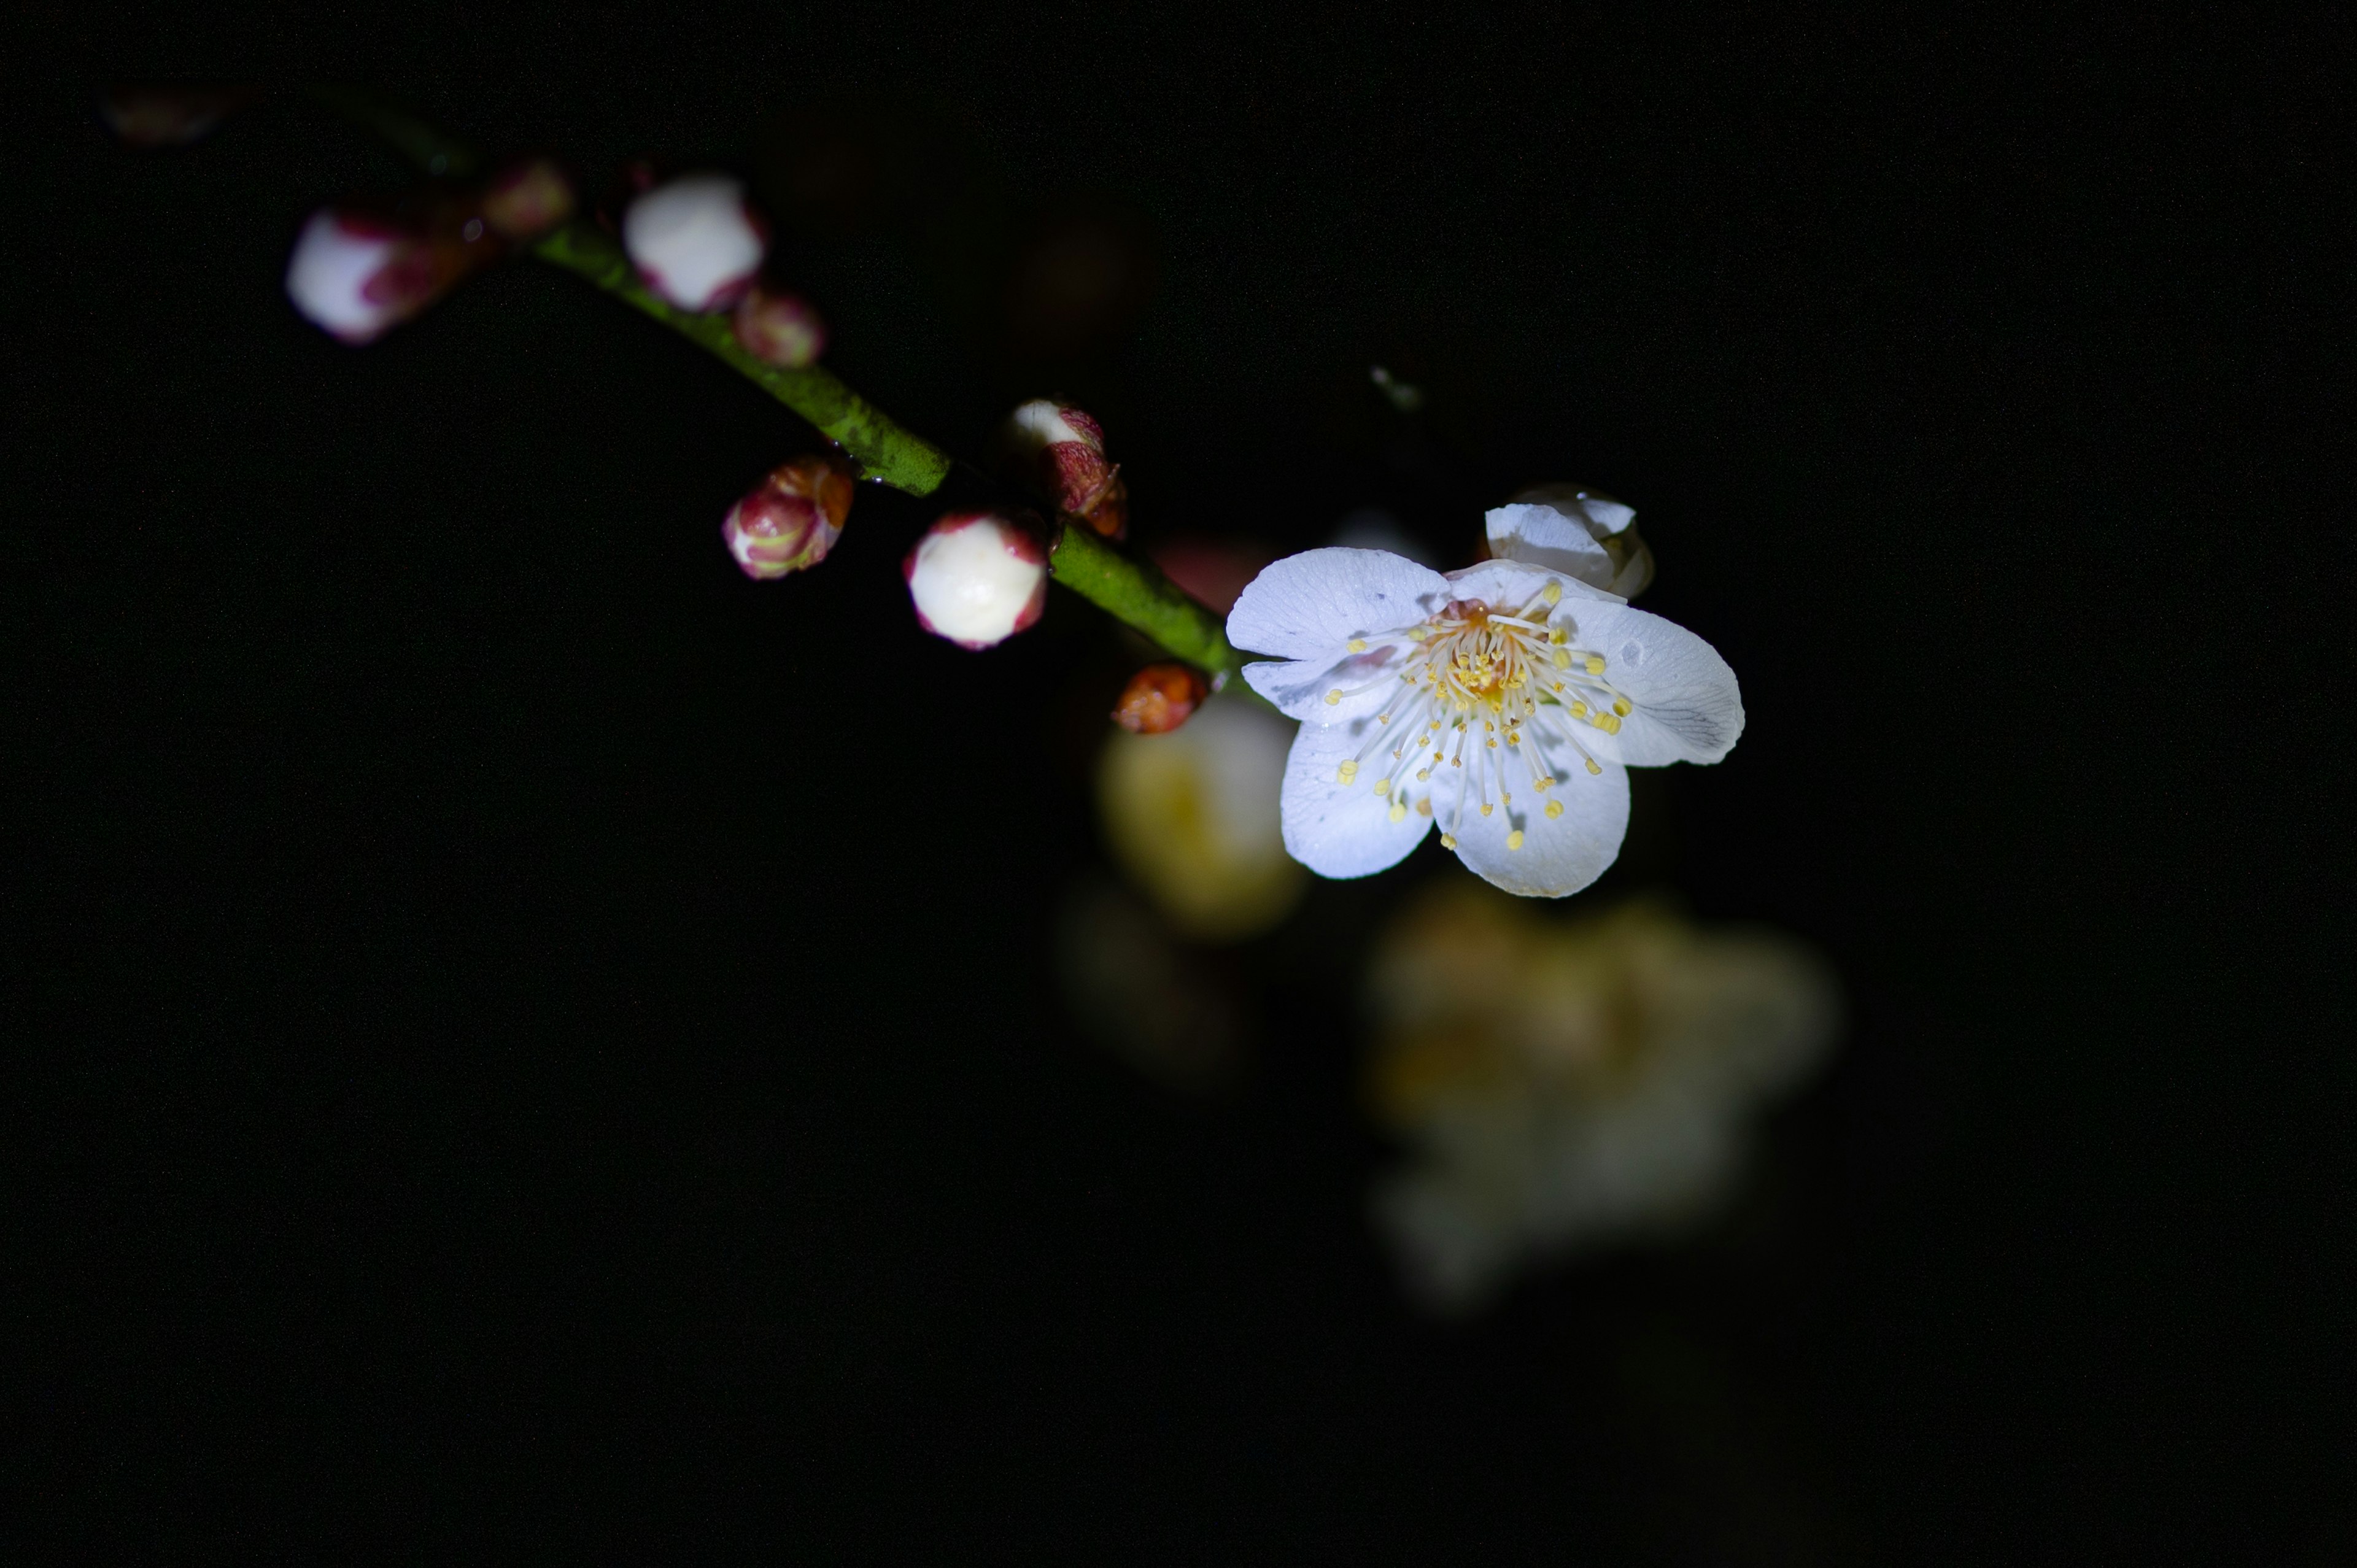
1133 591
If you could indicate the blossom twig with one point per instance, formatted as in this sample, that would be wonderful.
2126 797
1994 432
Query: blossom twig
1133 591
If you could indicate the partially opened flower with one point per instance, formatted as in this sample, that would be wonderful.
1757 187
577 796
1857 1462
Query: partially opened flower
694 240
1575 530
1501 702
1563 1083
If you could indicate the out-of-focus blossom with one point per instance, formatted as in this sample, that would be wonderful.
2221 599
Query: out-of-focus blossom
1580 532
1213 571
1059 451
357 274
779 329
1174 1012
1191 817
977 578
1503 702
151 116
1563 1083
792 519
1159 698
694 240
527 198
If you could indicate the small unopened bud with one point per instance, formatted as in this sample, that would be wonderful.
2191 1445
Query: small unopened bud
791 520
151 116
779 329
694 240
357 274
977 578
526 200
1059 451
1159 698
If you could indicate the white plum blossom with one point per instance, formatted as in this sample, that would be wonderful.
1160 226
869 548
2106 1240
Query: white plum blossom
1501 702
695 242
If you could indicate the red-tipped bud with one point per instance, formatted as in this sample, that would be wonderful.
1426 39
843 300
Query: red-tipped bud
695 241
1059 451
1159 698
792 519
779 329
527 198
357 274
148 117
977 578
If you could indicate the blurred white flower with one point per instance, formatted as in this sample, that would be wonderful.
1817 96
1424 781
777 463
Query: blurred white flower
1566 1083
1501 701
694 240
1191 816
358 275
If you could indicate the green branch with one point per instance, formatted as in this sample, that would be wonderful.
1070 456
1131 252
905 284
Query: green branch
1132 591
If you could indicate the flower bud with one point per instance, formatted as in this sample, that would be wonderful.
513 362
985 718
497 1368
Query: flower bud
357 274
791 520
779 329
694 240
977 578
1576 530
151 117
527 198
1059 452
1159 698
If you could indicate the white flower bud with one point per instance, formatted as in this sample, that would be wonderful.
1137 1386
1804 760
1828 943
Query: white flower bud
357 275
695 242
977 578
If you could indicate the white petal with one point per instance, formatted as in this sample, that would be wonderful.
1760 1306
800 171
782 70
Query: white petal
1360 683
1310 605
1600 513
1559 854
1512 585
1337 829
1688 706
1544 535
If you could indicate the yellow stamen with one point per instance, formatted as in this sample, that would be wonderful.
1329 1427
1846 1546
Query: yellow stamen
1449 840
1552 593
1347 772
1333 697
1358 645
1514 838
1594 767
1399 811
1555 808
1596 664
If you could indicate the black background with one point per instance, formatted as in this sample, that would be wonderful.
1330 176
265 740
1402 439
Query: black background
534 1041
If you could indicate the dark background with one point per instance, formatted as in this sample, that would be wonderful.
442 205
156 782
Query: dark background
528 1040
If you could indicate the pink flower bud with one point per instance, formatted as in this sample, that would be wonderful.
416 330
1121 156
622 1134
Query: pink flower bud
781 329
791 520
694 240
977 578
357 274
527 199
1059 452
150 117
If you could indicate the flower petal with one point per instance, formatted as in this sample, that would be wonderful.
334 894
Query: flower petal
1512 585
1310 605
1687 705
1544 535
1360 682
1337 829
1558 854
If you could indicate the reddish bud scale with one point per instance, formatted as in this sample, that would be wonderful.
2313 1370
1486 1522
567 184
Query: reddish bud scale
792 519
1159 698
1059 451
779 329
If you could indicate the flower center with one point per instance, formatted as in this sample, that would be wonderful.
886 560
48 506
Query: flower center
1492 701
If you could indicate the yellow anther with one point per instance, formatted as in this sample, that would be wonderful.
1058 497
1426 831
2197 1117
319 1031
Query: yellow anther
1514 838
1382 718
1449 840
1559 637
1562 658
1347 772
1422 774
1542 785
1456 762
1596 664
1485 808
1555 808
1358 645
1333 697
1490 744
1552 593
1399 811
1513 737
1383 786
1621 707
1578 710
1423 807
1594 766
1609 723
